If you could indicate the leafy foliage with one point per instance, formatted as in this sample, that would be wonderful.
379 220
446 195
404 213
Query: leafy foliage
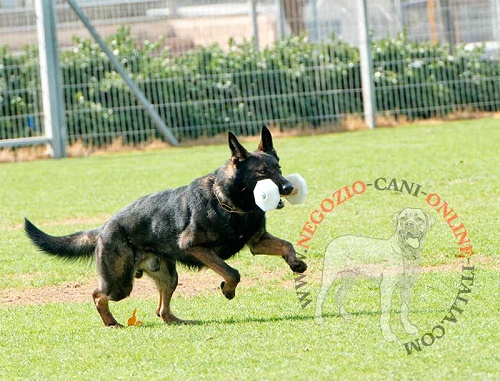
294 83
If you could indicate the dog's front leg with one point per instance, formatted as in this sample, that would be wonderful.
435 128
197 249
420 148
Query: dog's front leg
270 245
406 293
211 260
387 286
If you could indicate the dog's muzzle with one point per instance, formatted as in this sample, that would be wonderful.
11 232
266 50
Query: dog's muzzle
285 190
411 235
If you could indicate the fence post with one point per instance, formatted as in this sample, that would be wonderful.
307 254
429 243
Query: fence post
255 25
280 15
495 5
448 17
366 66
50 78
315 26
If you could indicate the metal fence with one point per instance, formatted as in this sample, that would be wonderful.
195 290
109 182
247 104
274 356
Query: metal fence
209 66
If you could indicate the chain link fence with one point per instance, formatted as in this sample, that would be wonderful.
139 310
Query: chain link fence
210 66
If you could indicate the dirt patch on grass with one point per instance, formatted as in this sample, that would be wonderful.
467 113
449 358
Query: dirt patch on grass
190 284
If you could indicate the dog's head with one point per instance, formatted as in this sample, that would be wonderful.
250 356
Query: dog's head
250 167
411 226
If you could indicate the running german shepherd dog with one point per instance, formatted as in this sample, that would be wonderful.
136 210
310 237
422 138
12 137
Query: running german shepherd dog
201 224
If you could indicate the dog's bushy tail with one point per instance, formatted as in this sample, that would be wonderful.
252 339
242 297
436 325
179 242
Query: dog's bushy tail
74 246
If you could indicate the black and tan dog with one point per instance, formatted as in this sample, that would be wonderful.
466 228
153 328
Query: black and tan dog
201 224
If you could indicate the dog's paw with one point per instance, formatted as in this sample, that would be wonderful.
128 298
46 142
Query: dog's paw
346 315
318 320
114 325
410 329
298 266
389 336
228 293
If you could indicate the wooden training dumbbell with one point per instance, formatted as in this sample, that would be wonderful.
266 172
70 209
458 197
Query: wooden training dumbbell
267 195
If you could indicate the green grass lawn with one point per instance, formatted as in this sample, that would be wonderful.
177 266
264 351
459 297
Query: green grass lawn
264 333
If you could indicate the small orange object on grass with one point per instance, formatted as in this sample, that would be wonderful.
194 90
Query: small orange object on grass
133 319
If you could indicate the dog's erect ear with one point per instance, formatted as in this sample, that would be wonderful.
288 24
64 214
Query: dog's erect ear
238 152
266 142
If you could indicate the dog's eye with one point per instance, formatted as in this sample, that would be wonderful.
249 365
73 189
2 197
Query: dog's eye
262 172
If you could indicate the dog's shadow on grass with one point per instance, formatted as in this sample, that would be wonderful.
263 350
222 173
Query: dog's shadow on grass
231 321
288 318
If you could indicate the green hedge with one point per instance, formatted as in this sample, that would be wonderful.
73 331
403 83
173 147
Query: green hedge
293 83
19 95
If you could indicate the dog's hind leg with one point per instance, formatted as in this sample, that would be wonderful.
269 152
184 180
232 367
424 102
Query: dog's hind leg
115 263
166 280
101 302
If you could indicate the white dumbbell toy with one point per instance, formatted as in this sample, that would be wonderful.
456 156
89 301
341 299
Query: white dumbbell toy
267 195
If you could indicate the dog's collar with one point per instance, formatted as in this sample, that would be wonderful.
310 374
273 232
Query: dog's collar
228 208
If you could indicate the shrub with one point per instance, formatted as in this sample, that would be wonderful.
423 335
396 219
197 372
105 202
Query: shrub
293 83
